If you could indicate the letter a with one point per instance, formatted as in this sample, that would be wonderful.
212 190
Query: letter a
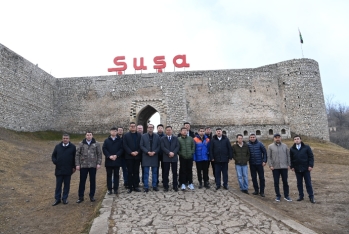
183 63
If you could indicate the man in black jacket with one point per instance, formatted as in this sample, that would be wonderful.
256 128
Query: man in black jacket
63 157
161 134
131 143
189 132
302 162
221 153
113 150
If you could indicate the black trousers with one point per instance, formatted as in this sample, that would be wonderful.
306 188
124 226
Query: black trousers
83 177
221 168
307 180
133 172
186 171
276 175
202 171
166 172
60 180
257 169
110 172
213 168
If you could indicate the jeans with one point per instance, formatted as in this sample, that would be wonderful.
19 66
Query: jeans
60 179
276 175
166 172
154 174
221 168
124 170
257 169
307 180
186 171
202 171
241 173
110 172
83 176
133 173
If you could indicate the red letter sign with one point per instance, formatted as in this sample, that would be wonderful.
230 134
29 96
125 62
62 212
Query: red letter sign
159 63
140 67
117 63
183 63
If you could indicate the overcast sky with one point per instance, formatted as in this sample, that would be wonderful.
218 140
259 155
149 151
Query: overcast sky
81 38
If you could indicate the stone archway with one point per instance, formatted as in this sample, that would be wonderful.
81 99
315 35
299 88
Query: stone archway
144 115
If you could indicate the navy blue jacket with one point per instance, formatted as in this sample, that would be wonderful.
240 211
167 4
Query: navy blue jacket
258 153
64 159
130 146
220 150
301 159
113 147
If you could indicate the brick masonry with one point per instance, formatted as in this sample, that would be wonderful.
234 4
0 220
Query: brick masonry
285 96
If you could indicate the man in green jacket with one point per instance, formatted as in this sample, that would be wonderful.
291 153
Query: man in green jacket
186 151
241 155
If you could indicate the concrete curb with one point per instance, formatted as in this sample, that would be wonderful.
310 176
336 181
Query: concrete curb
277 215
100 224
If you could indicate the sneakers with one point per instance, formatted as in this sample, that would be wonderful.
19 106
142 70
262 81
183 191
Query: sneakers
183 187
191 186
277 199
288 199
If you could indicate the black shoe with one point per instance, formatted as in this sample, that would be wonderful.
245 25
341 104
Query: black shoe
155 189
92 199
218 187
126 186
56 202
244 191
129 191
81 199
146 190
312 200
262 194
207 186
136 190
200 185
116 192
65 201
225 187
255 193
175 189
109 192
300 199
166 189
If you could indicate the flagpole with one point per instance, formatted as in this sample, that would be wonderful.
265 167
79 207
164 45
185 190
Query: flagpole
301 40
302 50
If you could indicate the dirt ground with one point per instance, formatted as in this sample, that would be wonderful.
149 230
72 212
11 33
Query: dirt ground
27 184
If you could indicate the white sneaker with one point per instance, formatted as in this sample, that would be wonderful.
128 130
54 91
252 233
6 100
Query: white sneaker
183 187
191 186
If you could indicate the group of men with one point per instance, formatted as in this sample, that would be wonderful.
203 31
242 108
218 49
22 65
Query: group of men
164 150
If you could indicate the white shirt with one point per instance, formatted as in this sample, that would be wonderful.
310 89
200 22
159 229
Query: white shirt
88 142
65 145
219 138
298 146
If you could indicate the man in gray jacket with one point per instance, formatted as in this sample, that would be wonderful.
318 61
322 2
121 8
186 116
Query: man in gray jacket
279 162
150 146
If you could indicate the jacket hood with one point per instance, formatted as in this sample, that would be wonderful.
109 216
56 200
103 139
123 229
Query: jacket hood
294 145
85 142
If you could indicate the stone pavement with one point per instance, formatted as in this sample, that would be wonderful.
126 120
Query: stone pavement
197 211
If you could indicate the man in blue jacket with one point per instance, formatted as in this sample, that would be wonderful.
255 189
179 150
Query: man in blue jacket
63 157
302 163
113 150
258 159
201 157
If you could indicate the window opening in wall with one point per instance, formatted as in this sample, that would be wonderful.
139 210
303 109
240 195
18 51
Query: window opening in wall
283 131
258 132
245 133
271 132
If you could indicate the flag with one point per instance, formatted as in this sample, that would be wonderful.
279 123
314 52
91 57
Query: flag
300 36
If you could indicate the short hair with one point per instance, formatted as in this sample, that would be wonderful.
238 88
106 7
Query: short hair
151 125
207 128
202 128
218 129
113 128
184 128
121 128
65 135
168 127
133 123
89 131
140 125
252 134
224 132
297 136
186 123
239 135
160 125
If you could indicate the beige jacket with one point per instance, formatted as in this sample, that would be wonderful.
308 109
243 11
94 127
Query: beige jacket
278 156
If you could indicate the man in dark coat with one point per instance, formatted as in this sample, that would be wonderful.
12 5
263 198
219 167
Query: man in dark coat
150 146
63 157
161 134
189 132
131 143
258 159
302 163
221 153
123 160
170 148
113 150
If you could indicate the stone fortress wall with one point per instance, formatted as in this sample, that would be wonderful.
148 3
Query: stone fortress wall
281 97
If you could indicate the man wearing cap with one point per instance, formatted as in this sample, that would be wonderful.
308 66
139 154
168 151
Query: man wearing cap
279 162
302 163
258 159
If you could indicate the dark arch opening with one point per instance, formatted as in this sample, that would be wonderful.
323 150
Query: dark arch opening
283 131
271 132
144 115
258 132
245 133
